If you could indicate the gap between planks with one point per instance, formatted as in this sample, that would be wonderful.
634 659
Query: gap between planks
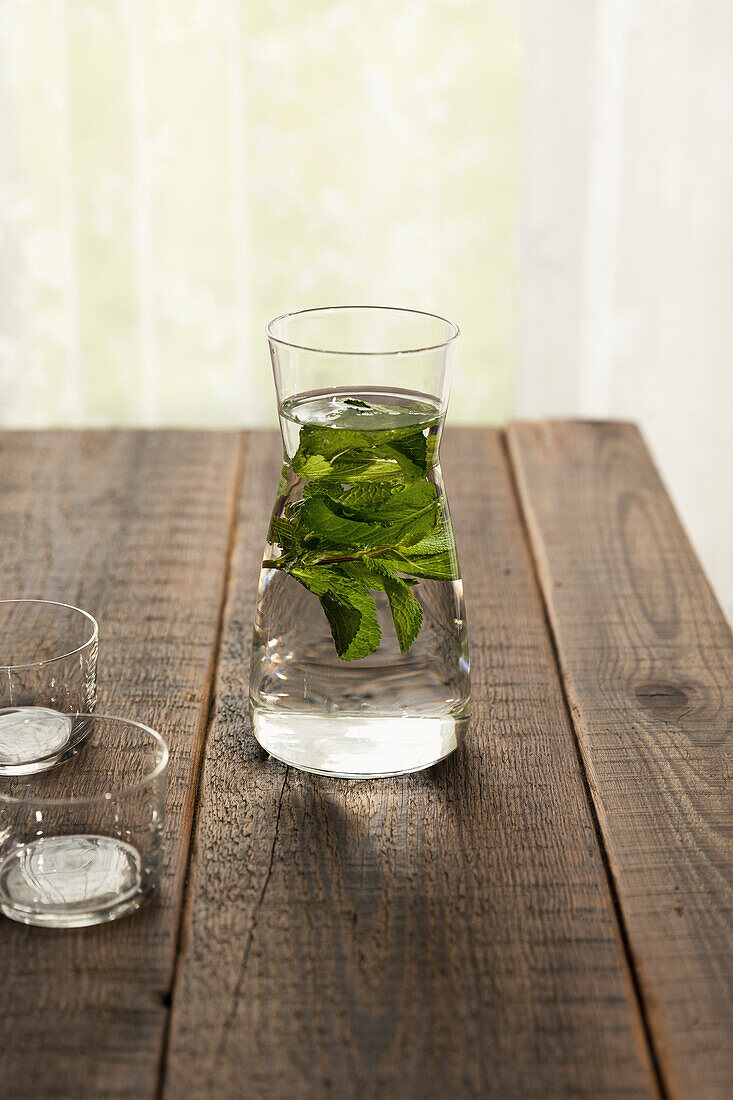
208 711
600 839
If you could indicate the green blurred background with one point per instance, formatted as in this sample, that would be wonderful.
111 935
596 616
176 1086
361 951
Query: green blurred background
180 172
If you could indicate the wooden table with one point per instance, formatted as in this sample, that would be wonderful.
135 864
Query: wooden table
547 913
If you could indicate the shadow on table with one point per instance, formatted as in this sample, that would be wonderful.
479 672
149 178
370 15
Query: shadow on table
382 914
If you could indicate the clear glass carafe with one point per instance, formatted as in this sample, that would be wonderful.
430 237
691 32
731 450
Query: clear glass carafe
360 655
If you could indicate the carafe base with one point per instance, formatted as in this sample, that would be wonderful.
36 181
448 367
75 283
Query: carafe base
356 746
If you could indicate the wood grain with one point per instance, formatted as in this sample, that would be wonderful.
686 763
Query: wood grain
134 527
445 934
647 660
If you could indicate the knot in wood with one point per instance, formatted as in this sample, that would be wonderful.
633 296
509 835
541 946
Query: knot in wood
659 696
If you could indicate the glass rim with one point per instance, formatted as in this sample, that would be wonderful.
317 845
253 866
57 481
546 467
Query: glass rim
105 796
455 332
93 637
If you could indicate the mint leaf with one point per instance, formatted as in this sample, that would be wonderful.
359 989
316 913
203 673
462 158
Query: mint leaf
344 620
437 567
361 571
369 494
437 541
283 532
362 495
317 580
414 527
319 516
353 468
352 616
330 442
403 504
409 468
404 451
383 503
348 606
406 611
311 465
414 449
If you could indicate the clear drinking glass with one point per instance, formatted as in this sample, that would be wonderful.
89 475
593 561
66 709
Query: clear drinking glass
360 655
48 676
81 843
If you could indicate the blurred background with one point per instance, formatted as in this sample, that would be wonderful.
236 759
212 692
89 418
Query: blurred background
554 175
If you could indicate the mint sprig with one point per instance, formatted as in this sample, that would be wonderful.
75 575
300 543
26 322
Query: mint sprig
369 520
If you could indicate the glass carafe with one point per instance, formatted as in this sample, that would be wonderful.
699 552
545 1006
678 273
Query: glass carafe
360 654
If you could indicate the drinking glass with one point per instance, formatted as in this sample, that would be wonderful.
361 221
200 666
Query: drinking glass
48 676
360 655
81 843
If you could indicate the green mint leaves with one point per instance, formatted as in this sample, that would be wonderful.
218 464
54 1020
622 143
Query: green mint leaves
369 521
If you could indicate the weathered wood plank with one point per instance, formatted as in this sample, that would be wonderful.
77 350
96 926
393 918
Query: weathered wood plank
135 528
445 934
647 659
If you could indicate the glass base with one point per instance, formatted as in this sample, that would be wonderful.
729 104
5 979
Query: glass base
352 747
34 739
71 881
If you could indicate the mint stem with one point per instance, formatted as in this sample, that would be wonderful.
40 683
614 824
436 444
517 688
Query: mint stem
282 563
353 557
